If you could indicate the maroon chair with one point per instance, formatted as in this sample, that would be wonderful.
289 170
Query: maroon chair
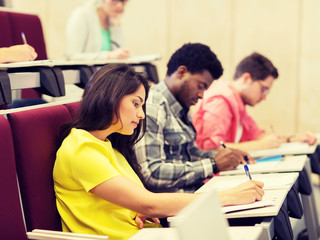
35 133
30 24
73 108
5 30
11 220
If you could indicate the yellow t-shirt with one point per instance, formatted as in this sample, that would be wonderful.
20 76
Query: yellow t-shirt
82 163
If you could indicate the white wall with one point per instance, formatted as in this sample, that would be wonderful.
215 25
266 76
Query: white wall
286 31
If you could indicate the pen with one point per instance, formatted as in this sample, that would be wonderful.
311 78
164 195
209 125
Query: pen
116 44
246 169
23 38
272 128
246 158
222 144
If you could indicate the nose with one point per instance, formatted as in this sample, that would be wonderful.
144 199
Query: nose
141 114
200 94
263 96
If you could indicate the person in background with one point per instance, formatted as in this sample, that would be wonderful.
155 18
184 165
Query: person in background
96 173
222 115
94 33
17 53
168 155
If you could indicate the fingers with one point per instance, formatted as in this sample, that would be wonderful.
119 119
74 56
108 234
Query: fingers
140 220
156 220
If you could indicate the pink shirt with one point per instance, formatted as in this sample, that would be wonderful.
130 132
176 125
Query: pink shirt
217 116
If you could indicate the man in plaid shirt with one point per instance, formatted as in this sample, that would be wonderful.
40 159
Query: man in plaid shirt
168 155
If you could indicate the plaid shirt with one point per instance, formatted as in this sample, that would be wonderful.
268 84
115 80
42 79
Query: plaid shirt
168 155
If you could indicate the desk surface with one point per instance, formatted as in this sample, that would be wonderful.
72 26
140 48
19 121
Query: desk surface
293 148
235 233
275 191
51 63
288 164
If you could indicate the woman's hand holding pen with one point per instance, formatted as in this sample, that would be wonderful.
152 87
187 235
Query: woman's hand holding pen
247 192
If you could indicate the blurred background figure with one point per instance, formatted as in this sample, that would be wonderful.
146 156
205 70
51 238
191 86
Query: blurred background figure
94 31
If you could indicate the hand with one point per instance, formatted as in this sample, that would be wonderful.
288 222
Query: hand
307 137
140 219
247 192
119 53
18 53
229 158
270 141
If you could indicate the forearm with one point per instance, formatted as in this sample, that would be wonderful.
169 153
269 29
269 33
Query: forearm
246 146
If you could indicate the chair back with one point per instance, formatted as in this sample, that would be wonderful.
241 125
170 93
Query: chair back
11 218
35 135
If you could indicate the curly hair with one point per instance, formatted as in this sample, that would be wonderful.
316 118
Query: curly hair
197 58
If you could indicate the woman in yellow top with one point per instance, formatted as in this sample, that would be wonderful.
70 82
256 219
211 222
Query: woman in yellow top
96 175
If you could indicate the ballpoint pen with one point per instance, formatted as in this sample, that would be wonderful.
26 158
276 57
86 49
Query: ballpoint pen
222 144
246 169
23 38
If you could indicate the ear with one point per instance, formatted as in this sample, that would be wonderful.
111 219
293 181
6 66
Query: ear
246 78
181 71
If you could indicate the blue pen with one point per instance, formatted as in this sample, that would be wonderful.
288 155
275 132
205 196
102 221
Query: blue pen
222 144
246 169
23 38
246 158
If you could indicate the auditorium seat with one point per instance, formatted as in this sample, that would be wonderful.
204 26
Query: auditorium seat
11 220
35 133
28 145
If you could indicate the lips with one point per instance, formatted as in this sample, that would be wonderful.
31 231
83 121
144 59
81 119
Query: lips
135 123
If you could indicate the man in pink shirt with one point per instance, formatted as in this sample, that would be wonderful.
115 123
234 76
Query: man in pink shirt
222 115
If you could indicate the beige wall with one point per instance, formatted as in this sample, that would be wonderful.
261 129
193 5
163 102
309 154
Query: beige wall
286 31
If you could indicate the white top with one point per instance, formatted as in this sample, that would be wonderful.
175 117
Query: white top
83 36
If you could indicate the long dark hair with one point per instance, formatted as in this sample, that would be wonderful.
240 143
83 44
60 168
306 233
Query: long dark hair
100 103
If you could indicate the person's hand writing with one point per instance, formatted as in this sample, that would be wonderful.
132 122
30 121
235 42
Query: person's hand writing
140 220
247 192
270 141
119 53
18 53
228 158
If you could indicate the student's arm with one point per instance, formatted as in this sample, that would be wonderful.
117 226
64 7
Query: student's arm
122 191
306 137
265 141
17 53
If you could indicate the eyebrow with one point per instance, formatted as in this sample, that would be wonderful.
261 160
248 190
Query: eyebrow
141 100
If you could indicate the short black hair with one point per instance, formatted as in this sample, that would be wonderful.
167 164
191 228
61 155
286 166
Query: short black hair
197 58
258 66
